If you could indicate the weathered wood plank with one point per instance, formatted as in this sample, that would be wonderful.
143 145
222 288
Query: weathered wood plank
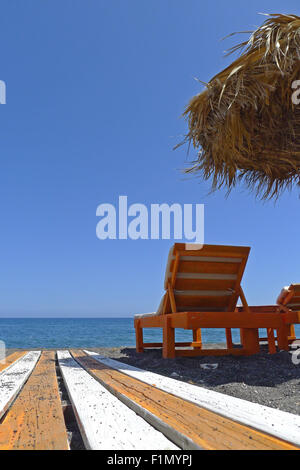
9 360
183 283
203 267
104 421
35 420
13 379
283 425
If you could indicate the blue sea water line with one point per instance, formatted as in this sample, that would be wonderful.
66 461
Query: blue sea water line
89 332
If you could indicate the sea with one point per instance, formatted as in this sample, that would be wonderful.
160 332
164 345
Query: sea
90 332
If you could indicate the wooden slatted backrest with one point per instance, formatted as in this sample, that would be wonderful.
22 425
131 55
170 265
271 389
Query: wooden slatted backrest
205 279
290 297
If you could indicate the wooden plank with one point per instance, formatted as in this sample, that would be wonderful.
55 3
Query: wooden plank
291 317
285 426
204 302
294 305
217 319
156 321
229 320
217 259
168 349
190 426
260 308
211 267
35 421
172 298
138 336
214 250
9 360
13 379
206 284
105 422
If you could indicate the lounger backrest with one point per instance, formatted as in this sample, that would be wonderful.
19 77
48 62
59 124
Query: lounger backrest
290 297
206 279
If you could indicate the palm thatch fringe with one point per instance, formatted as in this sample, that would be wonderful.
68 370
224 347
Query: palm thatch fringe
245 125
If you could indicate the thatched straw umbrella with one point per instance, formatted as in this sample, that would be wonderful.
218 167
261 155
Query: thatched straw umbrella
245 125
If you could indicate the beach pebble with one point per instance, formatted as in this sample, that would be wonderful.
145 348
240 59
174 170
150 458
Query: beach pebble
174 374
209 366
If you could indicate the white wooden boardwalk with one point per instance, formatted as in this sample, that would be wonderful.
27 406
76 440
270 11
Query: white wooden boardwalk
121 407
13 378
275 422
105 422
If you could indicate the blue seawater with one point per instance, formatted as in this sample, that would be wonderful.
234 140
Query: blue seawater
89 332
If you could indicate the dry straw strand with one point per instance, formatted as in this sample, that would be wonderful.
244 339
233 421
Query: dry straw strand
244 125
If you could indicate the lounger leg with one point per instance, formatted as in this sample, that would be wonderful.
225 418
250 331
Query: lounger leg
139 337
292 333
283 337
271 340
197 338
250 340
168 339
229 338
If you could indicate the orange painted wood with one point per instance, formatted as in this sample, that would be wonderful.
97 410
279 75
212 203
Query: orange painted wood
292 333
283 337
229 341
166 304
291 317
230 320
12 358
172 298
197 338
35 421
193 320
214 250
247 322
250 340
271 340
243 299
260 308
243 320
168 338
224 314
201 302
207 267
149 322
138 336
294 300
206 284
205 428
174 269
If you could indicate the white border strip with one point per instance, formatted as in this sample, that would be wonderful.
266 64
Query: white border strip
13 378
104 421
278 423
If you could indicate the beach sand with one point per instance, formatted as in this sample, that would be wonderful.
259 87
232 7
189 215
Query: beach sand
271 380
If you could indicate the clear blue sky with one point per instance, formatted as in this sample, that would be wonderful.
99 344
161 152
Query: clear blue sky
95 90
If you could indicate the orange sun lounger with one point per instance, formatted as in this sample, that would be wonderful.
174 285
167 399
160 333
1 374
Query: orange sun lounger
289 301
202 286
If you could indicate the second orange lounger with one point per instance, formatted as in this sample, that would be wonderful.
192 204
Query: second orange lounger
289 300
